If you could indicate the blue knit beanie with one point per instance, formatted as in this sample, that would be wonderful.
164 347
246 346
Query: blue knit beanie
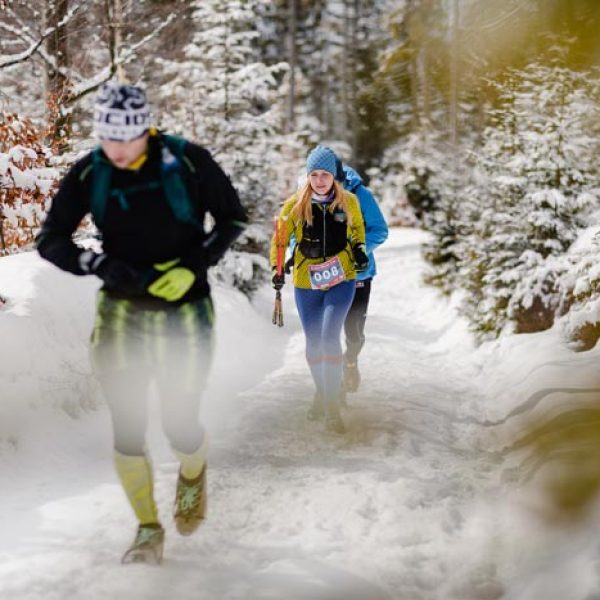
321 158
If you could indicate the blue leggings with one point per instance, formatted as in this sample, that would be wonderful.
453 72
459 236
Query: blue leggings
322 315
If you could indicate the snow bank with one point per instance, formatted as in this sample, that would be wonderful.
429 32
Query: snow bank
45 326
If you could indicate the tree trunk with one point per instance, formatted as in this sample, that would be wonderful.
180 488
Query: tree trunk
353 76
453 100
115 17
419 67
227 70
345 112
293 62
423 88
118 23
56 81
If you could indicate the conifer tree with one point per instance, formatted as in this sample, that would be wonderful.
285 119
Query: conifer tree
220 95
538 167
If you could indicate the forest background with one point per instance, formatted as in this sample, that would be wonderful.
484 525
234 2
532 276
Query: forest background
474 119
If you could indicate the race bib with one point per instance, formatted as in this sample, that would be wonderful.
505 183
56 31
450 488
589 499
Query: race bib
326 275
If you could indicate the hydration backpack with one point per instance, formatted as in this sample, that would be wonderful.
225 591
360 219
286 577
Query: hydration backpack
171 181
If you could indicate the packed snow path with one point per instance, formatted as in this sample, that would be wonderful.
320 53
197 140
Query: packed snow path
294 512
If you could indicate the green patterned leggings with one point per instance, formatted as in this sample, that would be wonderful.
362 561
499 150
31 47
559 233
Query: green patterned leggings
132 347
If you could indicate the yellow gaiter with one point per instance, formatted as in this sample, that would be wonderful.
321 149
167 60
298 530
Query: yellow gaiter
135 474
191 464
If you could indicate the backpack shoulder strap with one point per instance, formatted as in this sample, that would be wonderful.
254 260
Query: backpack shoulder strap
176 192
101 176
176 144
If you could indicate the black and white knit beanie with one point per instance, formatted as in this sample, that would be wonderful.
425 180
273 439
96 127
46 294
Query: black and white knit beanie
121 112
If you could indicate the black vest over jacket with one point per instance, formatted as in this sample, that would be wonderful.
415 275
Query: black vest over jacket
328 234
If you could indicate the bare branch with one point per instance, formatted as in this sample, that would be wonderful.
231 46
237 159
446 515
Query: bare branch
19 33
503 18
35 44
125 57
24 26
23 56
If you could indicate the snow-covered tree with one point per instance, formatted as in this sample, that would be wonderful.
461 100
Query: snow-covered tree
537 176
59 51
221 95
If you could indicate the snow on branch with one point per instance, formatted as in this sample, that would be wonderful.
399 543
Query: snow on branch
26 181
34 44
502 19
22 56
85 87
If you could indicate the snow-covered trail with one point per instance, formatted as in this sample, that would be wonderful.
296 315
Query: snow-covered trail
295 513
375 513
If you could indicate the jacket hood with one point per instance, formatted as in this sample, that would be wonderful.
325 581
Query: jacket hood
352 180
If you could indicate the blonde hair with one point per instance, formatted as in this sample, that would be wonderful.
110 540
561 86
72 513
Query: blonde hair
302 209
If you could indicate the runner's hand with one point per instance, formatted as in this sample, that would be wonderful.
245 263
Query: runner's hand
173 285
361 260
116 274
277 280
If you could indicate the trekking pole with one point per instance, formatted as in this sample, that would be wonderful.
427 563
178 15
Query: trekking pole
278 310
279 241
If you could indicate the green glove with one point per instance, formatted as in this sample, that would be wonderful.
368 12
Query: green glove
162 267
173 285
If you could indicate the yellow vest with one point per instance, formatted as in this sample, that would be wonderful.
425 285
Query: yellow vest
290 225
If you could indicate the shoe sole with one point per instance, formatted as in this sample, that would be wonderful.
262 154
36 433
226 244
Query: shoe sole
152 555
187 527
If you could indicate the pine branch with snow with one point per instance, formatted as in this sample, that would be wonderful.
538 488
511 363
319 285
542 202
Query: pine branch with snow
221 96
534 186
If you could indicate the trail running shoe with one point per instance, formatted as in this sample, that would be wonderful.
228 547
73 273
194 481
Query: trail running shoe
333 420
317 410
190 503
147 546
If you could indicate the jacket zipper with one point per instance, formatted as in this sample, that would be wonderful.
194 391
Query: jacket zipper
324 234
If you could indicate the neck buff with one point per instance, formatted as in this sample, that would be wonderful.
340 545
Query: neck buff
323 199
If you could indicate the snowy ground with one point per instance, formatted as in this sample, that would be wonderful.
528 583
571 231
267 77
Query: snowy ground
420 500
